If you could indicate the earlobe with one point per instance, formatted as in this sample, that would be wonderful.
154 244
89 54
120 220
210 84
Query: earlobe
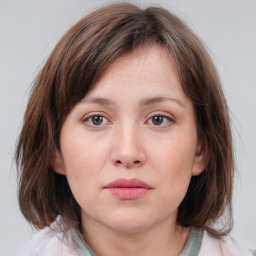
200 160
58 164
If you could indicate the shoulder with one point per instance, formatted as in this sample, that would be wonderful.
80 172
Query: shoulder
222 247
49 242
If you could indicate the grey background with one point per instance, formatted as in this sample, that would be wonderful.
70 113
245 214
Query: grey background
30 29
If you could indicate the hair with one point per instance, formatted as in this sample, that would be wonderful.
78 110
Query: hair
72 69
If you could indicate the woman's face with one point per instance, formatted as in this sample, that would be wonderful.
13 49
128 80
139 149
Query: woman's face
130 147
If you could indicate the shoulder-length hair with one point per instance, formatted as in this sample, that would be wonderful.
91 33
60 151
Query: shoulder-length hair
72 69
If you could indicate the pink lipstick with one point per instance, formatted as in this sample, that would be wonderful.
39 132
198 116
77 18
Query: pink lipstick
128 189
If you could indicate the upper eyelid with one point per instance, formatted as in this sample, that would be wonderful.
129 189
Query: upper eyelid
86 121
167 117
150 115
170 117
161 113
92 114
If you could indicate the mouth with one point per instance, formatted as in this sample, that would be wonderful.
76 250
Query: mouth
128 189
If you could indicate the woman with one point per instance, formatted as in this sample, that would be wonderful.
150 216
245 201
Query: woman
126 146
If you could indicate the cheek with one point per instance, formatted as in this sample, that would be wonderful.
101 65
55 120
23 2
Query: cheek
83 156
173 156
173 163
83 167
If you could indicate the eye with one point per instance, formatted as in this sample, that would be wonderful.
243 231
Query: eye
160 120
95 120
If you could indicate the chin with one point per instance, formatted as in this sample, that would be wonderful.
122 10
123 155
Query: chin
129 223
130 227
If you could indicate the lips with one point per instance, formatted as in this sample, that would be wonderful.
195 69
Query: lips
128 189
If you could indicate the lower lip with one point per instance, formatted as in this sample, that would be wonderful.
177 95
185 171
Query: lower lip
128 193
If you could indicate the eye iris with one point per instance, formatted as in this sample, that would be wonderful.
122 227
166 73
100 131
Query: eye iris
97 120
157 120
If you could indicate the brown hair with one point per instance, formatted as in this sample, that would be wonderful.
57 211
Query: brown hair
72 69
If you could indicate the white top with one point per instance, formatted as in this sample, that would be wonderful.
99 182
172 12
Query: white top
48 242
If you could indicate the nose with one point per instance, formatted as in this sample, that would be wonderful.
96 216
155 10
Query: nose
127 148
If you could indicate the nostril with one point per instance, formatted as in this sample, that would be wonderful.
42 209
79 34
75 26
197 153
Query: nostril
128 163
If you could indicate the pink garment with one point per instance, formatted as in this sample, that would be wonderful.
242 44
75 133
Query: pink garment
47 242
218 247
53 243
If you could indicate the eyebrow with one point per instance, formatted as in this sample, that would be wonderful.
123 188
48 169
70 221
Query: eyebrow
143 102
98 100
154 100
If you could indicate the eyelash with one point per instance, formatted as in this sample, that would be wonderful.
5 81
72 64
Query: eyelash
90 117
89 122
165 118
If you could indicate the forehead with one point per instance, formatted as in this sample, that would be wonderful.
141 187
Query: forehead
149 71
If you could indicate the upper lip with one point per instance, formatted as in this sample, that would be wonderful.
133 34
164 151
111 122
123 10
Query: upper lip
128 183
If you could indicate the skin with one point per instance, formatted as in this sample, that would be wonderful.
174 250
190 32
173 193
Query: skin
125 141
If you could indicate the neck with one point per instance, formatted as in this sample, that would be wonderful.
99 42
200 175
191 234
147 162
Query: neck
162 239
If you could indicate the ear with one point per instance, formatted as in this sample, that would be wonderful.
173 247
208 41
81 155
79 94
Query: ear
200 159
58 164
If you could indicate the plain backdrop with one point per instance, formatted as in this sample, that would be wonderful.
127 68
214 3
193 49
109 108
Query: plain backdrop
30 29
